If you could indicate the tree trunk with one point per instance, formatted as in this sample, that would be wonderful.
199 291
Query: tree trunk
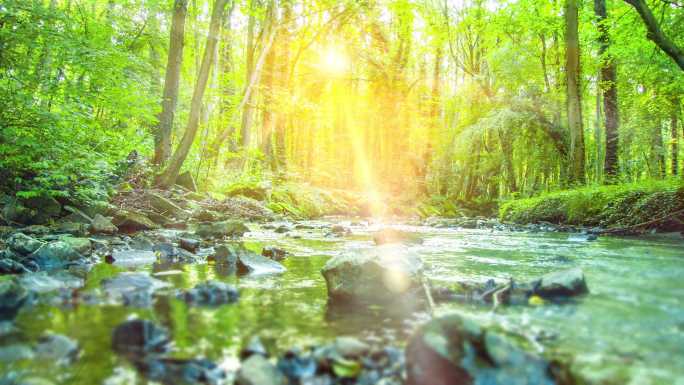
658 155
574 102
283 70
171 173
162 137
675 138
245 125
609 88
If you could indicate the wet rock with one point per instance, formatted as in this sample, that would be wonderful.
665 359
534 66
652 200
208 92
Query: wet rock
130 221
187 180
165 250
57 348
231 228
252 263
12 297
131 257
274 253
256 192
23 244
389 235
204 215
137 339
39 230
163 205
189 244
76 215
254 346
173 371
54 255
349 347
210 293
451 350
43 282
379 277
16 352
258 370
102 225
11 266
296 366
73 228
282 229
81 245
564 283
132 288
469 224
141 242
340 230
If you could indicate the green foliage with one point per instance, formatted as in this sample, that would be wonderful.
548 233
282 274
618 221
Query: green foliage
618 205
304 201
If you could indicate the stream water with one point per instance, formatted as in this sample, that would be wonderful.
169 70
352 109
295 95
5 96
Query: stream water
628 330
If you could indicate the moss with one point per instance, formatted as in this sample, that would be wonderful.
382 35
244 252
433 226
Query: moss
608 206
305 201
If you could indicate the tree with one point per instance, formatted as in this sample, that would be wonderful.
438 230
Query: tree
573 93
162 137
656 34
168 177
609 90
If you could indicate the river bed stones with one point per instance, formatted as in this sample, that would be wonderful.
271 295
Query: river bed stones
452 350
230 228
245 261
102 225
137 339
274 253
383 276
13 296
210 293
131 221
258 370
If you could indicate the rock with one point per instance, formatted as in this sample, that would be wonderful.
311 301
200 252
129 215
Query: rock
102 225
73 228
252 263
174 371
81 245
231 228
54 255
23 244
130 221
34 210
163 205
141 242
349 347
15 352
187 180
274 253
165 250
258 370
226 254
254 346
191 245
255 192
43 283
12 297
564 283
389 235
10 266
57 348
380 277
210 293
133 288
340 230
204 215
132 257
282 229
297 367
451 350
77 215
136 339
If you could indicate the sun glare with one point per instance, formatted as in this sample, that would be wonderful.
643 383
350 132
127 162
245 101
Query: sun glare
334 61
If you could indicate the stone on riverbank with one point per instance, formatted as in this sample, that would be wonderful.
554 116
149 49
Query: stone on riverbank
383 276
131 221
23 244
102 225
54 255
258 370
452 350
231 228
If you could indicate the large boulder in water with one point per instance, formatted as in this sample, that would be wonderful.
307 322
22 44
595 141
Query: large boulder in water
383 276
137 339
245 261
565 283
232 228
210 293
12 297
452 350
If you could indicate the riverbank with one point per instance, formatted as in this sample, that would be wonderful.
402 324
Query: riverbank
625 208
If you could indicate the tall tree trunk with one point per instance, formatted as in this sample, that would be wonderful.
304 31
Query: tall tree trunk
609 88
658 152
245 124
162 137
574 102
171 173
675 144
283 70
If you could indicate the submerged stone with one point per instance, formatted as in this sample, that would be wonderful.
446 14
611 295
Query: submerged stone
57 348
133 288
452 350
137 339
12 297
210 293
274 253
174 371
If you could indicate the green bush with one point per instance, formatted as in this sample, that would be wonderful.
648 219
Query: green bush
616 205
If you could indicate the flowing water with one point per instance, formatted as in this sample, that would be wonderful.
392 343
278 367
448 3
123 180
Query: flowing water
628 330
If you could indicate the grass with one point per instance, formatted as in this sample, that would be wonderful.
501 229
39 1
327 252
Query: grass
608 206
